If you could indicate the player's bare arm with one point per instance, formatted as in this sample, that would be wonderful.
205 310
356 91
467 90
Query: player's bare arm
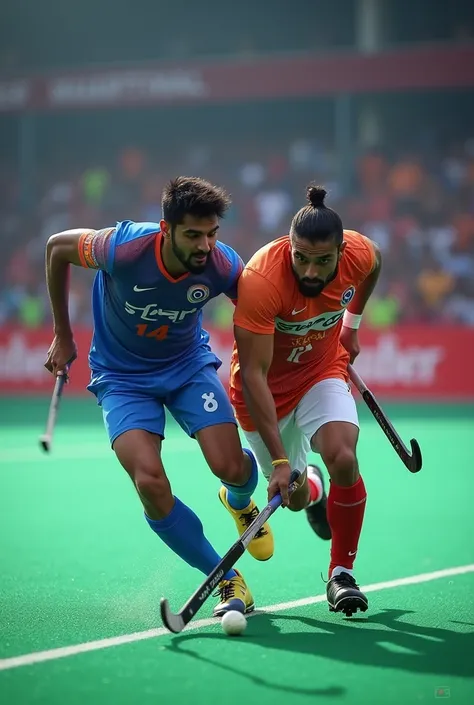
349 334
255 355
62 250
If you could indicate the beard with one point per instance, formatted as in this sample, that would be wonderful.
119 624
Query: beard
189 261
313 287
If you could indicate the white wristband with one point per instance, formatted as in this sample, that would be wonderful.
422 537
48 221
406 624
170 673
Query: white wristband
351 320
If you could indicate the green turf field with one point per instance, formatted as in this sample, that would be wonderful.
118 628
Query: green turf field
82 575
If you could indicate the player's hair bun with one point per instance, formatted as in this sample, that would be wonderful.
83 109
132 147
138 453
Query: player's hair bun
316 196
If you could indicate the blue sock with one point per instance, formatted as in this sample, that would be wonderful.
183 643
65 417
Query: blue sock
182 531
239 496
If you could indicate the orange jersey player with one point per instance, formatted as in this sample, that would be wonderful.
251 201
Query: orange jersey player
300 302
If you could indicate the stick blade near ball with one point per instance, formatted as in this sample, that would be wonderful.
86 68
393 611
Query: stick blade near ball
174 622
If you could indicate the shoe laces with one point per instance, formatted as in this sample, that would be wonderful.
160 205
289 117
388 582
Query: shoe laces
225 591
345 580
248 517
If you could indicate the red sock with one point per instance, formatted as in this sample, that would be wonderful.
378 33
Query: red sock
345 511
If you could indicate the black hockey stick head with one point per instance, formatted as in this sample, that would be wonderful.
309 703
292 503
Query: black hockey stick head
412 459
416 460
174 622
45 442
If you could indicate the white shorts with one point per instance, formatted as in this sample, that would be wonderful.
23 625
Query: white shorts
329 400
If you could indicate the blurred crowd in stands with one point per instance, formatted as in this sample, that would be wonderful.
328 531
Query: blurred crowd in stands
418 208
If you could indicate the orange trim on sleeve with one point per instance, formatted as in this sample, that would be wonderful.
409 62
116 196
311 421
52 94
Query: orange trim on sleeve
81 247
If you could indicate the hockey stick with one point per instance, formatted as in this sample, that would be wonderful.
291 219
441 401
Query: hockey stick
46 439
411 459
176 622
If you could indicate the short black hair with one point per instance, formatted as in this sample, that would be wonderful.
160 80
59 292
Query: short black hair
316 222
193 195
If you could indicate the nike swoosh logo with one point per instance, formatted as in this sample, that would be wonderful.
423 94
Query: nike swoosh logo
294 313
148 288
352 553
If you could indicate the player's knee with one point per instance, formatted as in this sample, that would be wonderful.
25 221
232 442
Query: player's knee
151 483
342 465
230 470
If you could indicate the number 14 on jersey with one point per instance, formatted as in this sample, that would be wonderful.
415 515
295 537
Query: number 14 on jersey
146 331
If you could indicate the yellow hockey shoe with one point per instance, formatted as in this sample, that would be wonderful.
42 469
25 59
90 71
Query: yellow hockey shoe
262 546
233 595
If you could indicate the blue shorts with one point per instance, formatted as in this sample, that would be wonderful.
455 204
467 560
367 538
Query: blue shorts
199 403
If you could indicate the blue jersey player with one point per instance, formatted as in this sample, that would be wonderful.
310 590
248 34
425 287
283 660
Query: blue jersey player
149 352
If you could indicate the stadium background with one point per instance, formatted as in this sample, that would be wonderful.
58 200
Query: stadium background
100 104
372 99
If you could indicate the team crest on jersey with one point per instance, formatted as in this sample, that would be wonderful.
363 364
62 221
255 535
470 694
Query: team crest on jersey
348 295
197 293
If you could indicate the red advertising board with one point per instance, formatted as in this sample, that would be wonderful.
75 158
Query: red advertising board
199 82
406 363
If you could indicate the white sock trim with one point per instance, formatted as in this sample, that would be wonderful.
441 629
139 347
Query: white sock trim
316 480
339 569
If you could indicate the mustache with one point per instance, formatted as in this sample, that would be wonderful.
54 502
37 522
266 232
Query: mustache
305 280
